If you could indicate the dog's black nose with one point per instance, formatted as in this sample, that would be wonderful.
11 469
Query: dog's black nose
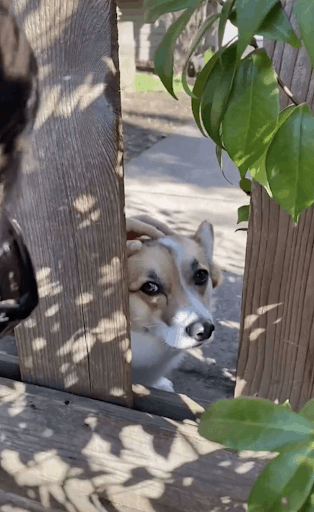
200 331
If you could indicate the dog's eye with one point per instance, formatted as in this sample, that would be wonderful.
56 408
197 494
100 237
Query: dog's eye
151 288
200 277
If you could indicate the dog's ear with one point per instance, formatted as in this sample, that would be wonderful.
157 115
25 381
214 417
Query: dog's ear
215 274
156 223
205 237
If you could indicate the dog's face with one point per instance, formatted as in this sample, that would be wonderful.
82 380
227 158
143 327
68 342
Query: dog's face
170 285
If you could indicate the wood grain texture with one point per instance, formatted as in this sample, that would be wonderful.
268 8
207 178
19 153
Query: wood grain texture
72 207
174 406
276 354
67 452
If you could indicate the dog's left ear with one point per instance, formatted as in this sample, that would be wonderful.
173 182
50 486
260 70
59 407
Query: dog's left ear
205 237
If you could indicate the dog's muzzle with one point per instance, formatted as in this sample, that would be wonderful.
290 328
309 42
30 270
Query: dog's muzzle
18 287
200 331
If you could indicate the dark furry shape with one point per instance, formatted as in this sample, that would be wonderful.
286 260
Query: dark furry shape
18 95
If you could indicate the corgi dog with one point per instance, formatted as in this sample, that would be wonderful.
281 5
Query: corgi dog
170 286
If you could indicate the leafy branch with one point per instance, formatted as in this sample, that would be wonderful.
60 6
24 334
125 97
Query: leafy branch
287 482
235 99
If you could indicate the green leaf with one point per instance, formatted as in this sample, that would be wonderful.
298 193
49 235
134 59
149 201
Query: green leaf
243 213
289 162
216 92
304 14
252 112
277 26
224 15
250 15
164 53
258 172
245 185
219 156
199 36
198 89
253 424
307 410
309 504
258 168
286 481
155 8
274 26
233 18
287 404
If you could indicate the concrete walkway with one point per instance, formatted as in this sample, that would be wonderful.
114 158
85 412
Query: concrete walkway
178 181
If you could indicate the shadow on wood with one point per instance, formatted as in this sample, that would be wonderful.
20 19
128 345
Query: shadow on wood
67 452
72 208
276 355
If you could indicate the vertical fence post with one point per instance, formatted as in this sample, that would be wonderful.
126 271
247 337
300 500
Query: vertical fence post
72 205
276 356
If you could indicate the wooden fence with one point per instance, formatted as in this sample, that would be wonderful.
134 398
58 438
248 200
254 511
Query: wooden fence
74 434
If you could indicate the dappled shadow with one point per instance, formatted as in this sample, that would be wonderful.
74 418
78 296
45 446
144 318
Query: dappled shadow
70 453
72 205
61 450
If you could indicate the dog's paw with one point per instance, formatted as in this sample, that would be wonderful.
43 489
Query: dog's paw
164 384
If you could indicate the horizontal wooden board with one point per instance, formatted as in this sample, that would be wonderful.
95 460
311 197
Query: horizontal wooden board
66 452
155 401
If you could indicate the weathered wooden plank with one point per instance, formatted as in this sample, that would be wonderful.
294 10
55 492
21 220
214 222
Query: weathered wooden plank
154 401
67 452
276 356
13 503
72 204
9 500
174 406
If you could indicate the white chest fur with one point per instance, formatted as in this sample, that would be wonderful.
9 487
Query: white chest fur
152 358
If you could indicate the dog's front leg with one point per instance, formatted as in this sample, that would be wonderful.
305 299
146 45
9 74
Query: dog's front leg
164 384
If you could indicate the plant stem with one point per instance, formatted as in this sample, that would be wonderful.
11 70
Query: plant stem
287 91
281 84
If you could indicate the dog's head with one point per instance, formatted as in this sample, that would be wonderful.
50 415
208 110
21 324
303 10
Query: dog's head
170 286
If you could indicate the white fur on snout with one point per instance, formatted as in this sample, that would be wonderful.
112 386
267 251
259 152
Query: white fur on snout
199 308
185 317
176 336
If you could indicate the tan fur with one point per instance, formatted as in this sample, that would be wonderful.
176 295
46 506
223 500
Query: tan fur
214 269
158 334
146 310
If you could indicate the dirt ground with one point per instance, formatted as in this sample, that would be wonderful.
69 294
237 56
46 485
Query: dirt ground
149 117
